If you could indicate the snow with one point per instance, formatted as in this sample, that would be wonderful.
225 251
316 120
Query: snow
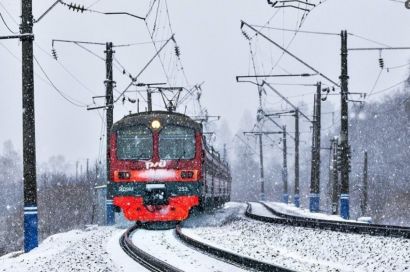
291 209
259 209
168 248
304 249
92 249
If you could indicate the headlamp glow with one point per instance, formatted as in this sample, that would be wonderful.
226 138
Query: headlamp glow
155 124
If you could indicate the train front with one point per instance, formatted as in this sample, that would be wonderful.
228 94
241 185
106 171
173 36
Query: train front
155 170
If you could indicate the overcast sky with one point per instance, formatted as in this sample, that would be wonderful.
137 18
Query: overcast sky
213 50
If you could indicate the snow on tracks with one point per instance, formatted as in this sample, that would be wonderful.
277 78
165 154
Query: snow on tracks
165 246
304 249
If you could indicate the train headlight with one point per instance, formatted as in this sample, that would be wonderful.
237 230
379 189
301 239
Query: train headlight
155 124
124 175
187 174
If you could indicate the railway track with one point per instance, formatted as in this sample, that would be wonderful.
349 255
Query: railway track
154 264
230 257
341 226
148 261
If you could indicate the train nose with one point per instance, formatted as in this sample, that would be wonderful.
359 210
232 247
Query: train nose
155 194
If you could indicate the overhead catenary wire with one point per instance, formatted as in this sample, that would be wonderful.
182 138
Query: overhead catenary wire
61 93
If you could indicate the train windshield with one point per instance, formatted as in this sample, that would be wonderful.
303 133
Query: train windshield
134 143
176 142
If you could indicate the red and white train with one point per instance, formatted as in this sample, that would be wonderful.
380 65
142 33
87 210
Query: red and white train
161 168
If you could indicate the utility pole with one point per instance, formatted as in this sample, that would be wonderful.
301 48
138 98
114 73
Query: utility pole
260 133
76 170
297 189
334 176
109 87
365 186
262 174
344 131
29 139
149 99
88 171
314 201
285 168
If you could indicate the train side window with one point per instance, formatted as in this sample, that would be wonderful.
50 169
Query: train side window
176 143
134 143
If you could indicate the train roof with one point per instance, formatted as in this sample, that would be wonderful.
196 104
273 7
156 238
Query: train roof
165 117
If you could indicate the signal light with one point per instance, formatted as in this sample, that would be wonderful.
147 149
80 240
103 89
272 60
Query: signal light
187 174
124 175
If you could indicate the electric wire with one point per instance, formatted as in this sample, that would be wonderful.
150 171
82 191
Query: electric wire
151 6
48 81
375 83
7 26
9 14
66 70
389 88
179 59
93 4
62 94
89 51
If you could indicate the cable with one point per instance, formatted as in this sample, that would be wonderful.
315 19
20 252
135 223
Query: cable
156 50
14 32
369 40
150 9
375 83
176 46
297 31
391 87
93 4
89 51
66 70
70 100
8 13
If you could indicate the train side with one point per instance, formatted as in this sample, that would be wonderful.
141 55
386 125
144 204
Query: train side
161 168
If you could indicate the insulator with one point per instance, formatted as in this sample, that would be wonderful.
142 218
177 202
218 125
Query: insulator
132 100
78 8
177 51
246 35
381 63
123 71
54 53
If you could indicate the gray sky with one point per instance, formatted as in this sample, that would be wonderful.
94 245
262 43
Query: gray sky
212 50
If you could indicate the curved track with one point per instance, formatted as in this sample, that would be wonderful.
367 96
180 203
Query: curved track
230 257
143 258
342 226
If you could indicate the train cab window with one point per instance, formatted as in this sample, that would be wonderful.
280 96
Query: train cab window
176 142
134 143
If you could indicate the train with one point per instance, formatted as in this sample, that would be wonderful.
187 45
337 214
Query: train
162 169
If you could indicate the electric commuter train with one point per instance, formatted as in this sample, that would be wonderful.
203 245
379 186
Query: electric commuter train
161 168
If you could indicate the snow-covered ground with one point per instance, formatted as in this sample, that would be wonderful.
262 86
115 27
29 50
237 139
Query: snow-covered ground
259 209
304 249
301 249
168 248
92 249
293 210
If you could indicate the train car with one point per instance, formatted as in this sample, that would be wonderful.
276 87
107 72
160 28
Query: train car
161 168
